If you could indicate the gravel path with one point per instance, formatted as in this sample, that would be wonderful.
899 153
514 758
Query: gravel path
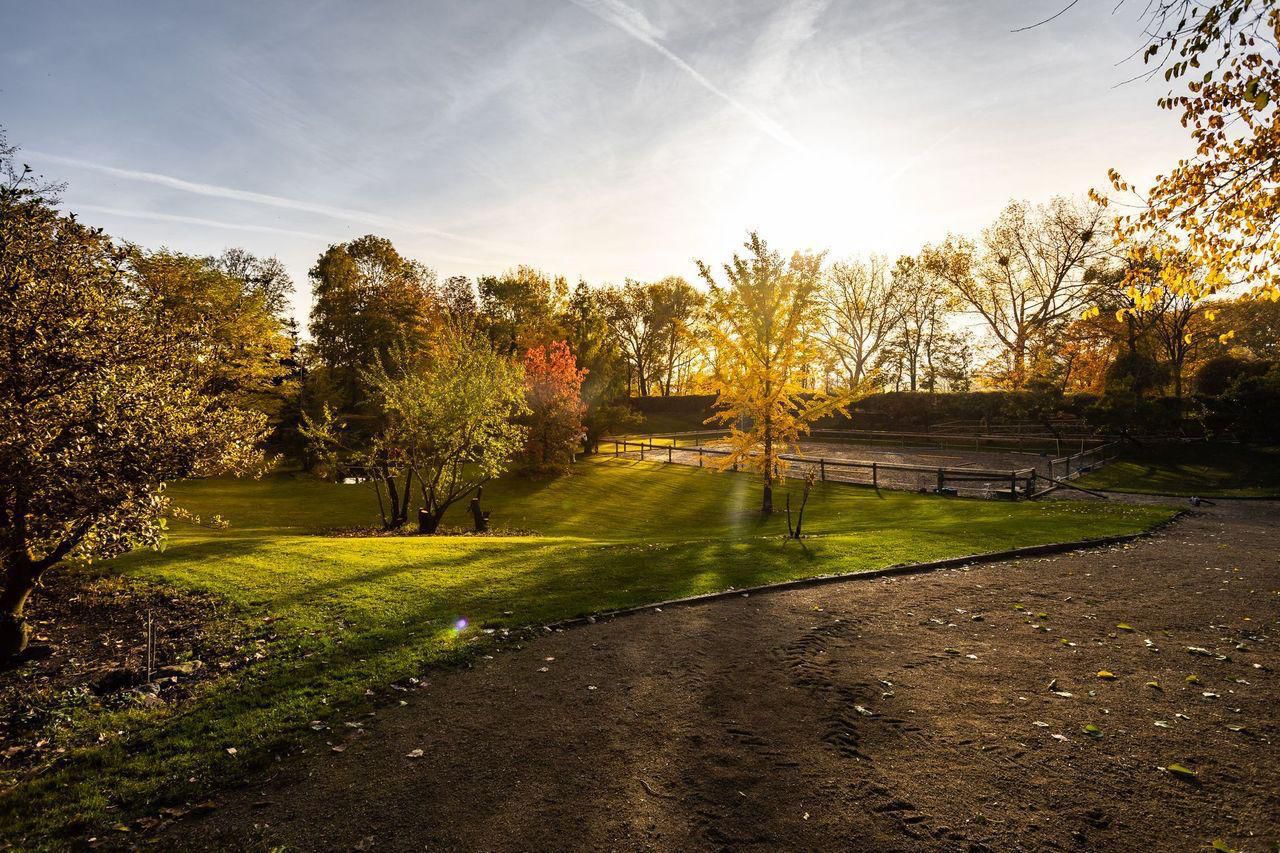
899 714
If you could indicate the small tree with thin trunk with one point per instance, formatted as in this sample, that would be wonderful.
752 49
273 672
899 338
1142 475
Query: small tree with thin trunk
553 393
763 326
101 404
449 424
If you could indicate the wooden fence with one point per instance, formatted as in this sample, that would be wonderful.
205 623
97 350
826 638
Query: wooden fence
696 448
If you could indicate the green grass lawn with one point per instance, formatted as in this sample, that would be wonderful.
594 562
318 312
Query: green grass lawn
1207 470
356 613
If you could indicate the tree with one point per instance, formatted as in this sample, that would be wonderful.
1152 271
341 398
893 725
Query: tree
553 385
860 309
1223 198
522 308
266 278
596 350
368 300
100 405
448 429
632 318
763 325
224 310
458 299
678 315
1027 277
917 337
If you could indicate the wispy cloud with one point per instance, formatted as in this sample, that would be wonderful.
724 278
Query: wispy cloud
345 214
195 220
634 23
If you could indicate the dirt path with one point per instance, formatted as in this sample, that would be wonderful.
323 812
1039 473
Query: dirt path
898 714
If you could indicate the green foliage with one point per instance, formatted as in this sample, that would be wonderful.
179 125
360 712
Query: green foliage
229 312
369 299
102 401
523 308
449 424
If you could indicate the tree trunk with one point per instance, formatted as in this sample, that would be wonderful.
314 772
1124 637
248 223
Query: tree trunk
767 505
20 578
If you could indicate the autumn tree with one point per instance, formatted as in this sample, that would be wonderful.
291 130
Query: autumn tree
860 309
553 386
522 308
369 299
764 327
1223 199
1027 276
449 425
100 404
229 309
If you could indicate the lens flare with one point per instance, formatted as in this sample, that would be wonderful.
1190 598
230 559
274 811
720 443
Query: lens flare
460 625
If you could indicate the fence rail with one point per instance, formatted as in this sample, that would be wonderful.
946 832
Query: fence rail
1009 484
697 448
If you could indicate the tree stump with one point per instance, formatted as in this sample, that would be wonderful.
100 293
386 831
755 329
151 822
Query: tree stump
480 517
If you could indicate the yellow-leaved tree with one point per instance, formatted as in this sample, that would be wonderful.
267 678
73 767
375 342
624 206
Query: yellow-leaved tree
764 349
1222 202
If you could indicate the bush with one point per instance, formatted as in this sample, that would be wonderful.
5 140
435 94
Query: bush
1216 375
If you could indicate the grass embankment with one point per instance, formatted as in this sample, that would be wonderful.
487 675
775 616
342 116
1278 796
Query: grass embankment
355 614
1206 470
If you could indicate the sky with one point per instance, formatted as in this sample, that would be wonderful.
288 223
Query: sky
597 139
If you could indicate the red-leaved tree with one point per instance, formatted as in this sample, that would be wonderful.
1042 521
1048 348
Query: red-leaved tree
553 391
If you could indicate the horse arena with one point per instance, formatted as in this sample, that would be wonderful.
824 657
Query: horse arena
992 466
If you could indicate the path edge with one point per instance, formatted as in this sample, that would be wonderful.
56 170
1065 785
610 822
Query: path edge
872 574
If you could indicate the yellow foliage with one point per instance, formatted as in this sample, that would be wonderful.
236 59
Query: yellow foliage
764 347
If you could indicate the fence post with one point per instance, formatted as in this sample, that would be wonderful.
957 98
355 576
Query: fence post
942 480
875 476
822 469
642 451
669 452
699 457
1031 483
1013 485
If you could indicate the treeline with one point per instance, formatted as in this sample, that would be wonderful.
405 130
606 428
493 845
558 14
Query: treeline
1042 302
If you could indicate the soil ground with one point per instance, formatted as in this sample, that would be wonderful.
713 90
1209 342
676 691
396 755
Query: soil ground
89 652
907 713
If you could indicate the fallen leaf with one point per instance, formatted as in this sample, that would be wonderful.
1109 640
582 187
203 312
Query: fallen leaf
1182 772
1092 731
1124 627
1106 676
413 753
